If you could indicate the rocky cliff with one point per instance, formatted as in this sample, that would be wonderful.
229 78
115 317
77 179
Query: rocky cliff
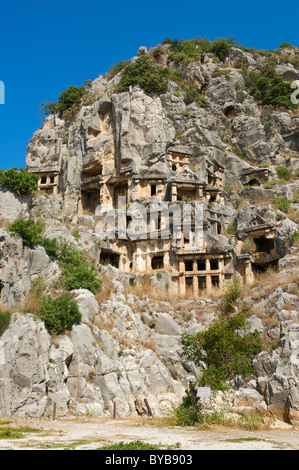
242 162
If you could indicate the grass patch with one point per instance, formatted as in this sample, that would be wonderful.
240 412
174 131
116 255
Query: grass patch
7 432
283 204
5 421
240 440
5 317
134 445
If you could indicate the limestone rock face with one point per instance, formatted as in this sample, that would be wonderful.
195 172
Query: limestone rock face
12 207
204 140
128 349
279 374
24 355
144 131
20 267
81 373
114 134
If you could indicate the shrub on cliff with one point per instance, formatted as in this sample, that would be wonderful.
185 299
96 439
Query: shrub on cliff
282 203
28 230
221 46
19 181
181 52
225 349
268 88
59 314
145 73
283 173
5 317
115 69
69 99
77 273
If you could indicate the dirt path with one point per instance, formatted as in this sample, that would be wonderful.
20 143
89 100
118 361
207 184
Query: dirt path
86 434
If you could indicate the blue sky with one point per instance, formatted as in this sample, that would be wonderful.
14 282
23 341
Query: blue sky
46 46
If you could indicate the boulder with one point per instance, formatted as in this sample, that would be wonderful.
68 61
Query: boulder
87 304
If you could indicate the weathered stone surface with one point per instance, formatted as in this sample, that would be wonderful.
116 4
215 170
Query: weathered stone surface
129 347
87 304
23 368
12 207
20 267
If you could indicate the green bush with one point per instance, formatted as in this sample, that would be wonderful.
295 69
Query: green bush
221 46
68 99
190 411
114 69
76 272
294 237
225 351
192 95
248 246
231 295
59 314
179 58
51 247
268 89
29 230
19 181
145 73
283 204
134 445
182 52
296 197
5 317
192 49
283 173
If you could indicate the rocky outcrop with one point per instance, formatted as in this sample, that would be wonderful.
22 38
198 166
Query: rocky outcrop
20 267
128 347
86 372
278 374
134 130
12 206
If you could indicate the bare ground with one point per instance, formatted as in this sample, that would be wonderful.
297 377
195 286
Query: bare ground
91 434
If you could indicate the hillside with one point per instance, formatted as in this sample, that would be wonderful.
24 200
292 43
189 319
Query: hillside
187 126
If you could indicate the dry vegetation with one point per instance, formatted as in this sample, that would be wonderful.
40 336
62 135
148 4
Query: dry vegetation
4 223
266 282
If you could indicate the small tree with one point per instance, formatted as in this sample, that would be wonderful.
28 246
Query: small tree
221 46
28 230
59 314
225 349
115 69
77 273
19 181
190 411
145 73
69 99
